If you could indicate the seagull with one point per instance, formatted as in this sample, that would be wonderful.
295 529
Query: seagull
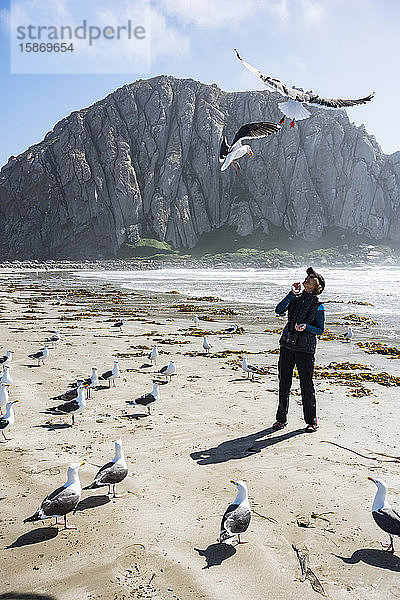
250 369
348 335
237 516
73 407
196 320
168 370
112 375
62 501
58 301
293 107
92 381
148 399
7 420
7 358
206 345
153 355
111 473
119 324
70 394
41 355
232 329
230 153
6 377
386 517
3 396
54 338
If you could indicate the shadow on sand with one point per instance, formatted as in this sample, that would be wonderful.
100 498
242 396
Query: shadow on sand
242 447
92 502
215 554
34 537
28 596
375 558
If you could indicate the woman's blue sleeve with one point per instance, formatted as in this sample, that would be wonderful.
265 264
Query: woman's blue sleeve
319 322
283 305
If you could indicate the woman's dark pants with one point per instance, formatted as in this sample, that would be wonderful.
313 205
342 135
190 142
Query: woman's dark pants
304 362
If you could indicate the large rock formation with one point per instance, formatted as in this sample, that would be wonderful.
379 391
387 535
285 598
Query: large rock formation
143 162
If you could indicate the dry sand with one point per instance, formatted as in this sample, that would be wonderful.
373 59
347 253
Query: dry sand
159 540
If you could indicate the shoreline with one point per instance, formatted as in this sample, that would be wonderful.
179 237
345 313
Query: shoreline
211 425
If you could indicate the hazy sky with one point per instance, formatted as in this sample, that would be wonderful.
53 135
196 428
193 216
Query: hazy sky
338 48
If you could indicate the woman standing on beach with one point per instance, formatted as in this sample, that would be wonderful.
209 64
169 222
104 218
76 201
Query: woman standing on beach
306 320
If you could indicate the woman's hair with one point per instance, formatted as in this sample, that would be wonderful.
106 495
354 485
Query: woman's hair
317 287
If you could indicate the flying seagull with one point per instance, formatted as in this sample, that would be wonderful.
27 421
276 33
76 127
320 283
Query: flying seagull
237 516
111 473
230 153
62 501
293 107
386 517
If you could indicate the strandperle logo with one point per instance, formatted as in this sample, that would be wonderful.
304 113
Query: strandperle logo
85 31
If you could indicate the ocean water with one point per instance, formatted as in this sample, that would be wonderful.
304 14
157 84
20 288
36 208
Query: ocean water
380 286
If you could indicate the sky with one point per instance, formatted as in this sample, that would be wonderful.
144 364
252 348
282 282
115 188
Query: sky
337 48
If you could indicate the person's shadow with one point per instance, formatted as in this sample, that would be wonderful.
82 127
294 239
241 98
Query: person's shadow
242 447
215 554
35 536
373 557
22 596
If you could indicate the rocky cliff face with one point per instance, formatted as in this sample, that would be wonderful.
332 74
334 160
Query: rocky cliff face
143 162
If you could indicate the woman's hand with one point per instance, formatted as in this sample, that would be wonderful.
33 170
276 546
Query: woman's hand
296 287
300 327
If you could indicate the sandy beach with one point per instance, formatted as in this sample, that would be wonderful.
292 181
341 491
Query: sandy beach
212 424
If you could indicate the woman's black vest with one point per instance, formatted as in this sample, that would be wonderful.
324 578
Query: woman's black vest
302 309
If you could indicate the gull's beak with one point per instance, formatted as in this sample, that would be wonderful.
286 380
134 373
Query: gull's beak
371 479
82 463
232 481
251 153
14 401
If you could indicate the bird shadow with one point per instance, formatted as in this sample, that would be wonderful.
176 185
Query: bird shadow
373 557
243 379
92 502
135 416
32 366
215 554
242 447
145 366
54 426
35 536
99 388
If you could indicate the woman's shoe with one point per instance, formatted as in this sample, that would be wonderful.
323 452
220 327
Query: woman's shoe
311 427
278 425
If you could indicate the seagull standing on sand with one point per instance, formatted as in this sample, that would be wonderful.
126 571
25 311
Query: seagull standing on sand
112 375
111 473
119 324
348 335
92 381
7 420
62 501
386 517
6 359
73 407
54 338
196 321
232 329
206 345
293 107
3 396
6 377
229 154
168 370
237 517
153 355
41 355
249 369
148 399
